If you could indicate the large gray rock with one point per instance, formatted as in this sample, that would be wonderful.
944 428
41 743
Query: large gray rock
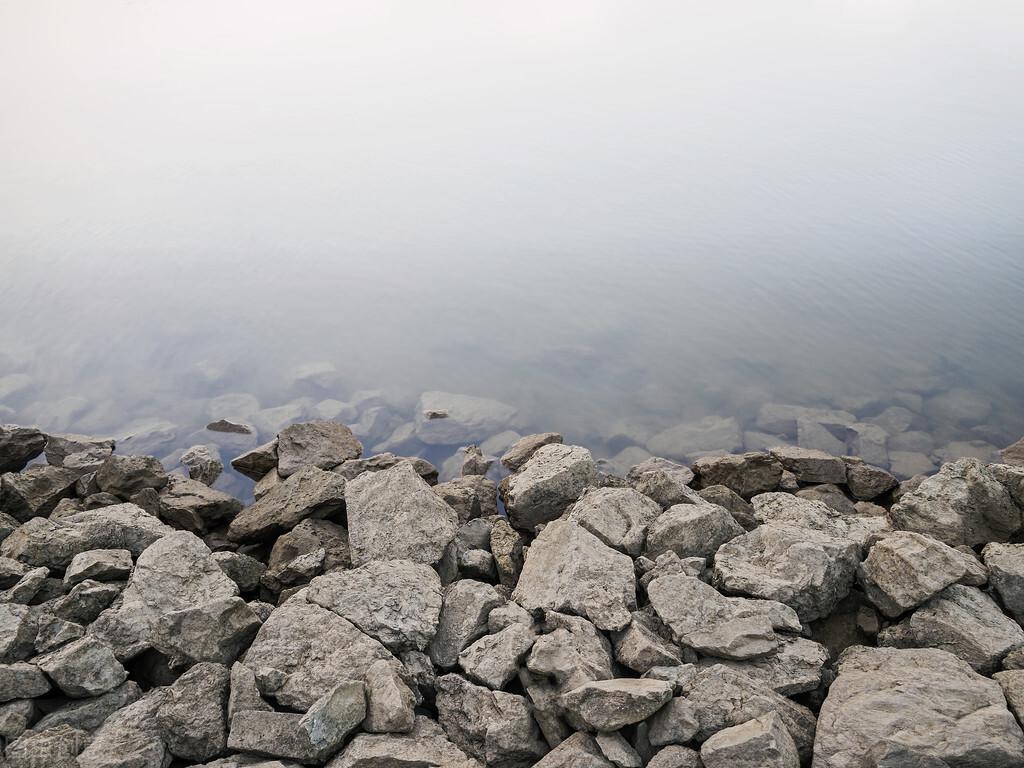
256 463
100 565
962 620
129 738
309 492
308 536
352 468
568 569
692 440
617 516
192 716
963 504
523 449
581 750
60 447
746 474
215 631
425 746
394 515
794 667
190 505
763 742
321 444
18 446
641 646
1014 454
463 619
494 660
22 681
572 652
444 418
53 748
18 626
124 476
390 703
664 481
918 707
36 491
691 530
89 714
865 481
203 464
397 602
548 484
675 756
1012 683
85 667
1005 564
608 705
904 569
811 466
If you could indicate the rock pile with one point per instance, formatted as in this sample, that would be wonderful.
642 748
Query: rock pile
777 609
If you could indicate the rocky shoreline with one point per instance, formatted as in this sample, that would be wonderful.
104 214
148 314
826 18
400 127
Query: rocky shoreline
779 607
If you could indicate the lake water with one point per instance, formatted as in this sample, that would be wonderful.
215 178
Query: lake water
615 217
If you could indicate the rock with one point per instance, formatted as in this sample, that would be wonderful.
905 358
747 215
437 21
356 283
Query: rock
122 526
216 631
607 705
230 427
745 474
53 632
551 481
740 509
674 756
272 734
963 504
568 569
390 704
1014 454
617 750
617 516
691 530
15 717
53 748
763 742
523 449
84 603
812 435
641 647
17 631
811 466
868 441
309 492
352 468
11 571
962 620
100 565
129 737
321 444
572 652
958 406
27 588
904 569
914 707
255 464
780 419
397 602
21 681
494 660
474 462
865 481
704 620
492 726
18 446
333 717
664 481
464 498
695 439
581 750
794 667
85 667
89 714
308 536
1005 563
244 570
243 694
975 449
302 651
675 723
35 491
507 551
203 463
192 716
124 476
425 745
463 619
1012 683
443 418
394 515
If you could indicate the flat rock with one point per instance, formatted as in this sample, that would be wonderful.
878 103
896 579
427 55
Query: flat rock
494 660
193 506
426 745
100 565
580 750
256 463
691 530
1005 563
124 476
914 707
664 481
465 607
18 446
746 474
352 468
394 515
89 714
309 492
22 681
794 667
131 736
320 444
548 484
811 466
216 631
308 536
617 516
763 742
84 667
523 449
444 418
35 491
692 440
608 705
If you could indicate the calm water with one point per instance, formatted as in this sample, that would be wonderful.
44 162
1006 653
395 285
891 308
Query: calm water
616 217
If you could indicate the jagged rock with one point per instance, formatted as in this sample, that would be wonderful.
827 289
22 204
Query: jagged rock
1012 683
572 652
865 481
794 667
352 468
244 570
243 693
321 444
84 667
494 660
475 463
963 504
86 601
190 505
914 707
640 647
762 742
674 756
1005 563
390 704
547 484
303 650
60 447
174 573
426 745
581 750
704 620
569 569
463 618
89 714
507 615
192 716
811 466
99 565
724 697
691 530
617 750
464 500
617 516
444 418
397 602
53 632
495 727
1012 479
1014 454
202 463
962 620
607 705
394 515
675 723
547 712
255 464
309 492
216 631
11 572
35 491
53 748
18 446
664 481
523 449
739 508
695 439
21 681
27 588
507 551
904 569
17 631
124 476
129 737
745 474
831 496
15 717
308 536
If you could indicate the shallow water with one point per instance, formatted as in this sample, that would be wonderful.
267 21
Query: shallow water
614 217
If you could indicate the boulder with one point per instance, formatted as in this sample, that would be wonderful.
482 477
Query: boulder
215 631
425 745
190 505
674 723
572 652
18 446
617 516
463 619
309 492
664 481
22 680
308 536
641 646
36 491
506 546
53 748
745 474
737 506
390 704
202 463
124 476
256 463
17 631
89 714
320 444
795 666
99 565
608 705
581 750
691 530
494 660
811 466
523 449
1012 683
131 736
444 418
763 742
1014 454
550 482
244 570
352 468
1005 563
84 667
675 756
192 716
865 481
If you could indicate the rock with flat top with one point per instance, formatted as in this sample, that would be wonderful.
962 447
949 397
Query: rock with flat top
617 516
641 646
100 565
36 491
811 466
21 681
664 481
256 463
309 492
548 484
607 705
763 742
691 530
85 667
216 631
426 745
794 667
18 446
192 717
867 482
190 505
523 449
746 474
320 444
1005 563
494 660
124 476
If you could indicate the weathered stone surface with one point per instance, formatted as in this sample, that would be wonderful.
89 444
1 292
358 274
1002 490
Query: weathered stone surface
962 620
739 508
617 516
617 750
272 734
309 492
321 444
704 620
394 515
444 418
763 742
397 602
464 610
607 705
580 750
203 463
192 716
244 570
675 756
914 707
495 727
35 582
572 652
641 647
352 468
424 747
190 505
124 476
15 717
507 551
746 474
60 447
674 723
1005 563
35 491
569 569
904 569
18 446
794 667
691 530
550 482
390 704
17 631
523 449
333 717
664 481
130 737
1012 683
255 464
243 693
85 667
86 601
811 466
21 681
216 631
963 504
53 748
695 439
89 714
1014 454
302 651
308 536
100 565
865 481
494 660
